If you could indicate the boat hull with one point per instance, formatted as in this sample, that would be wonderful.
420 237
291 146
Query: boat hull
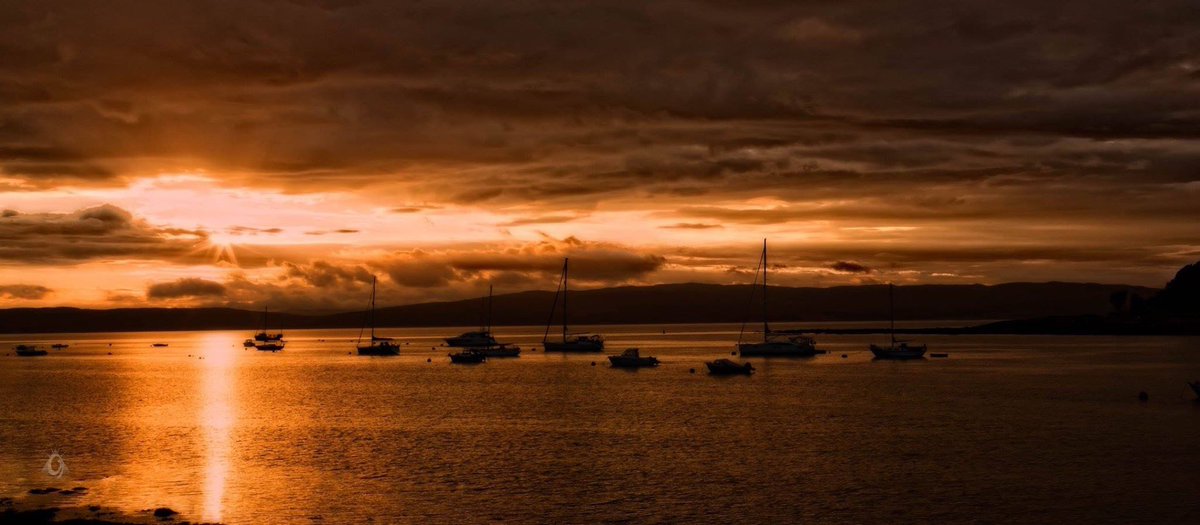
268 347
500 351
913 352
379 350
725 367
776 349
580 347
470 342
467 358
619 361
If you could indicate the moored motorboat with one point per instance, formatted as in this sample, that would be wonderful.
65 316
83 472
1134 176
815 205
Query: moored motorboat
376 346
29 350
773 344
632 358
725 367
571 343
467 357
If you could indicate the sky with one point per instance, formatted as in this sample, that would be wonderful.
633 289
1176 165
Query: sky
247 153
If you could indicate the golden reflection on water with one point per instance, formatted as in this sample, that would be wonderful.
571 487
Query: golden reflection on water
216 419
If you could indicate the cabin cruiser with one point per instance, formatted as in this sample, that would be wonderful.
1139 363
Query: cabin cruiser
632 358
725 367
472 340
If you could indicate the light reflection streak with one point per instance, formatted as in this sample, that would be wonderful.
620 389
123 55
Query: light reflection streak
216 420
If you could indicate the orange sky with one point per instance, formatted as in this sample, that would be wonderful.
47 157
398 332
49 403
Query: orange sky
241 153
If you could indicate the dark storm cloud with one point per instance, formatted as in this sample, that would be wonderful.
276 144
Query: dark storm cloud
93 233
849 267
553 101
188 287
24 291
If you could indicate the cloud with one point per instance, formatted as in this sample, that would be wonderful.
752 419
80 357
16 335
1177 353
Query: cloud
691 226
849 267
188 287
91 233
24 291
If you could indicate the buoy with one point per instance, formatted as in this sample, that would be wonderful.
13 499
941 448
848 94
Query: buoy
593 363
691 370
430 360
1143 396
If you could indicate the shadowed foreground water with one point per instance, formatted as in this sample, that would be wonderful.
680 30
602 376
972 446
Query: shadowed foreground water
1008 429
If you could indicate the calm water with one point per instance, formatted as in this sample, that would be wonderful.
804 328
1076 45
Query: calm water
1008 429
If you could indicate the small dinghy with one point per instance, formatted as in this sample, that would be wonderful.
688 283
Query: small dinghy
160 345
725 367
467 357
28 350
632 358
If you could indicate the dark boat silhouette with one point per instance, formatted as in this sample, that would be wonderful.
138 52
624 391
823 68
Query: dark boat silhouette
59 346
725 367
29 351
467 357
774 344
632 358
263 335
482 340
577 343
249 343
500 350
376 345
270 346
897 349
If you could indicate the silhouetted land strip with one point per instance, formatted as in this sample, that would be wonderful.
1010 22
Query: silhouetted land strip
662 304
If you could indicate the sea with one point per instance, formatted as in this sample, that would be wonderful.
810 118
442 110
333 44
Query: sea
1005 429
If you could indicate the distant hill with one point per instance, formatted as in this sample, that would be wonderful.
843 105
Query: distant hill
669 303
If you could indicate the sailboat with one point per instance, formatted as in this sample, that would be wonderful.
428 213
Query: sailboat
898 349
570 342
482 337
262 334
774 344
376 345
265 341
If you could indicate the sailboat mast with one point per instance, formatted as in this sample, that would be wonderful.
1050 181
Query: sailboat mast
488 326
766 327
892 310
566 262
372 308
